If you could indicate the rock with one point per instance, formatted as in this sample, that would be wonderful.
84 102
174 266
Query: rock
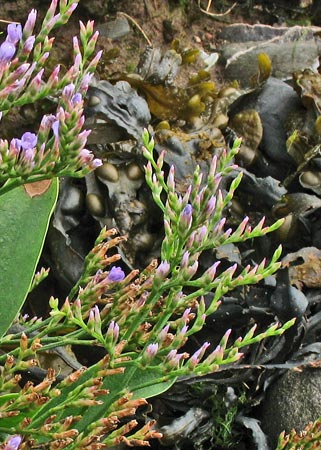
114 29
292 401
275 102
290 49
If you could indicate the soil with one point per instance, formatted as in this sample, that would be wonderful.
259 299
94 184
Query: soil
191 24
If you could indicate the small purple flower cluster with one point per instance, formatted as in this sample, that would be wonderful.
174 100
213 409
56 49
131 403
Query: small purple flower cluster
116 274
58 148
52 151
8 47
13 443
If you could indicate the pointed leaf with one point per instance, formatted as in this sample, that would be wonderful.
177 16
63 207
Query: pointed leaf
24 222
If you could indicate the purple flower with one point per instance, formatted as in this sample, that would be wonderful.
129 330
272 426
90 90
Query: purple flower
186 218
68 91
7 50
55 128
28 140
96 163
14 31
116 274
151 350
77 98
13 443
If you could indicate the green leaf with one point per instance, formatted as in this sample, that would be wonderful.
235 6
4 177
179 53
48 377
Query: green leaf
143 383
24 222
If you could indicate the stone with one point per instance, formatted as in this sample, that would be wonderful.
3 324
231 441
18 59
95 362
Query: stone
114 29
290 49
292 401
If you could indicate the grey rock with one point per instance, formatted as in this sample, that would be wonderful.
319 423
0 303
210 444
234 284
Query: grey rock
292 401
120 104
290 49
114 29
240 32
275 102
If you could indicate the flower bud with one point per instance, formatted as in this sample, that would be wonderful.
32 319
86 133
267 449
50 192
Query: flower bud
186 218
162 270
211 271
28 45
30 23
198 355
210 206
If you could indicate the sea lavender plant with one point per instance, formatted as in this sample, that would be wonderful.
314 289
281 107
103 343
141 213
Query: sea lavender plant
141 320
58 147
54 148
307 439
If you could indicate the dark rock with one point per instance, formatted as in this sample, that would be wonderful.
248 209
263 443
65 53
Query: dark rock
292 401
275 103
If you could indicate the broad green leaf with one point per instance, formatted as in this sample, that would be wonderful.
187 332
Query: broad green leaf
24 222
143 383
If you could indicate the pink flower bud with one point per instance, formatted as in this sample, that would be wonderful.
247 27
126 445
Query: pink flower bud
186 218
151 351
113 331
170 179
198 355
211 271
201 235
185 260
163 270
210 207
163 334
30 23
28 45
